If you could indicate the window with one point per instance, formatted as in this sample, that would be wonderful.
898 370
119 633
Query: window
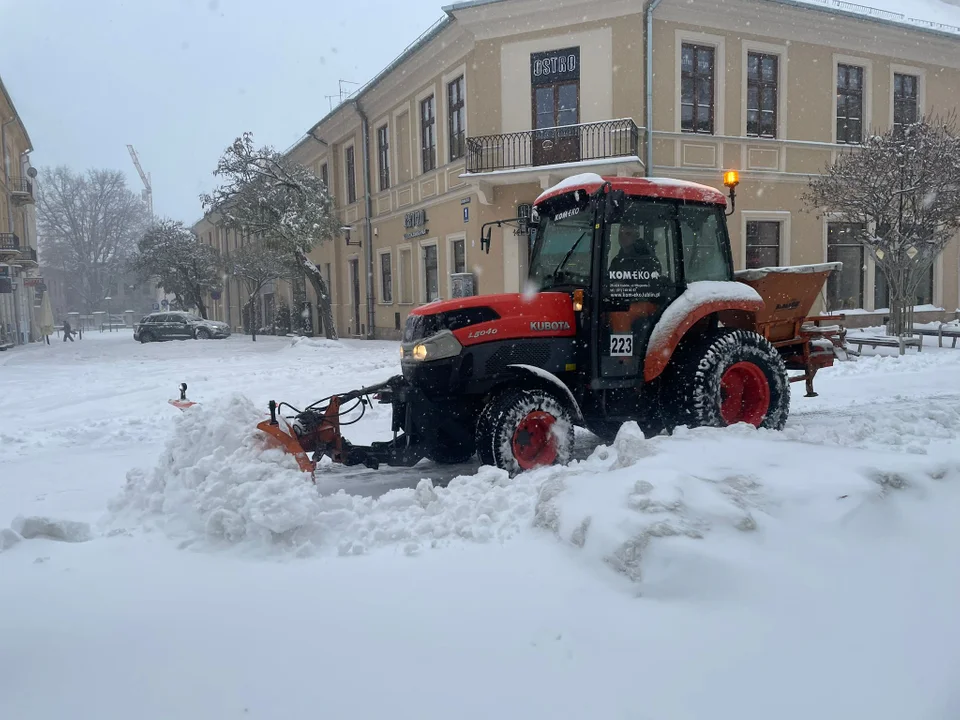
904 101
763 243
456 118
383 156
845 287
849 104
458 256
696 88
703 238
881 291
428 134
406 276
386 278
431 275
351 176
325 177
555 100
762 77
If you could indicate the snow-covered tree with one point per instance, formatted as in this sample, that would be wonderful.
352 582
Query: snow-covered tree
255 263
88 226
181 265
268 196
903 188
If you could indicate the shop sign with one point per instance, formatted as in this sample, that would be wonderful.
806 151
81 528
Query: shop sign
555 66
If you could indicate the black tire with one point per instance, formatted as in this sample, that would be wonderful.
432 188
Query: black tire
203 334
537 420
737 367
146 337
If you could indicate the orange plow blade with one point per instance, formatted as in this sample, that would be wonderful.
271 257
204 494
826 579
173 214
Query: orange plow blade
281 435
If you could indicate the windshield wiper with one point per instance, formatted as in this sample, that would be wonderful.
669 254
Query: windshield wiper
566 257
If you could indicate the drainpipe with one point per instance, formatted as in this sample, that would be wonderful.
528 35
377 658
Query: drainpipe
368 211
648 121
6 175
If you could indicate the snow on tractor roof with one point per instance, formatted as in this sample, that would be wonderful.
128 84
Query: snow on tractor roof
669 188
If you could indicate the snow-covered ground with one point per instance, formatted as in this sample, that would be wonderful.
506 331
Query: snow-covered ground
714 574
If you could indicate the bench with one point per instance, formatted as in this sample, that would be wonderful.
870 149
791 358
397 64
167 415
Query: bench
944 331
875 341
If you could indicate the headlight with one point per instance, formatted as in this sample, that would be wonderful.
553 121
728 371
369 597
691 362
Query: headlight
442 345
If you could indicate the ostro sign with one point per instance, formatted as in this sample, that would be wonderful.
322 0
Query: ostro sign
555 66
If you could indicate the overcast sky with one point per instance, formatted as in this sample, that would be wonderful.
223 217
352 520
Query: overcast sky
179 79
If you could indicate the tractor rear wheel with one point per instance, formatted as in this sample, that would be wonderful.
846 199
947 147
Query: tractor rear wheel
522 429
729 377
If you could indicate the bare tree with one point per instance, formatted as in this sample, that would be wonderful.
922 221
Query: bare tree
88 228
256 263
265 195
181 265
903 189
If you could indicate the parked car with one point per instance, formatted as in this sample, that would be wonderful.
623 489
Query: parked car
178 326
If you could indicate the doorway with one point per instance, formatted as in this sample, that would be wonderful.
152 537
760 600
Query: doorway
355 293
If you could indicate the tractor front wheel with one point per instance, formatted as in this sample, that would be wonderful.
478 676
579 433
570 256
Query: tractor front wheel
522 429
730 377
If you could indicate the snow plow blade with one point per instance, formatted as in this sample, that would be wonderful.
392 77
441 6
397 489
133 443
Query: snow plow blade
284 437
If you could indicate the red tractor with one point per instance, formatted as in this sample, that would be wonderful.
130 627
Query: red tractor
637 315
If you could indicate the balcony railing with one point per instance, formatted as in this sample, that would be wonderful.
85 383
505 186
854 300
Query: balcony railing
27 256
9 241
21 188
604 140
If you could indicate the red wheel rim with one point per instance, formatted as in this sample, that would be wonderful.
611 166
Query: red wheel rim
744 394
534 442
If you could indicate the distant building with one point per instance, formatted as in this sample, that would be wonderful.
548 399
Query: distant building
503 98
19 283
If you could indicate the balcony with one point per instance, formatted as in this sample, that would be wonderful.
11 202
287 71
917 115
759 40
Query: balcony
21 190
607 147
27 258
9 246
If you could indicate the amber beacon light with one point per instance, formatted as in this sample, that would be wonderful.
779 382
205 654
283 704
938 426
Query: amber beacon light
731 178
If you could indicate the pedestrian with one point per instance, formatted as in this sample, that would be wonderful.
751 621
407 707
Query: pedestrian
67 331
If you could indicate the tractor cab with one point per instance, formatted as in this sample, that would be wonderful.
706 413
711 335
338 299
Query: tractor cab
626 249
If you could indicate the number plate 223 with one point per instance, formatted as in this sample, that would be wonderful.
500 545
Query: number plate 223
621 345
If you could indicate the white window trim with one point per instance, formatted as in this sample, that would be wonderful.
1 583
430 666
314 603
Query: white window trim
921 87
393 284
445 80
413 273
385 120
719 42
452 238
422 256
346 183
867 120
749 46
780 216
395 149
417 128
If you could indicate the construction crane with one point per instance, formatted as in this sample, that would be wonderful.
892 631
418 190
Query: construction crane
147 193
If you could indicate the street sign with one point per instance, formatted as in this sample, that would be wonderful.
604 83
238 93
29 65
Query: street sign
156 306
165 302
466 214
215 295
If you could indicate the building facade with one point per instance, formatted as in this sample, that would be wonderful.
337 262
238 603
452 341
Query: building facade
19 281
500 100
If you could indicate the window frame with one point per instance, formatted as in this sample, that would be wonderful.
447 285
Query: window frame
762 85
779 216
865 291
381 286
427 126
350 172
867 94
451 259
456 141
698 47
383 156
921 76
423 245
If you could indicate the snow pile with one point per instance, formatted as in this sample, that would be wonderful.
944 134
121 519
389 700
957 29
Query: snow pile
303 342
216 484
51 529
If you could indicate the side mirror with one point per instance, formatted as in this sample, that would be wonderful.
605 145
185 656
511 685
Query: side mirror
614 205
485 237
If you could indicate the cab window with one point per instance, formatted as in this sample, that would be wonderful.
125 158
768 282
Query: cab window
704 237
639 257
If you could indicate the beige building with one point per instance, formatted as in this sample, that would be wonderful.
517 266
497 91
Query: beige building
500 99
18 233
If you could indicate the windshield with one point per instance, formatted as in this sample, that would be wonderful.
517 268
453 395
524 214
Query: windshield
562 252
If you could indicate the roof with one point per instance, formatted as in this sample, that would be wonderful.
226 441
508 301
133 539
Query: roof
13 107
667 188
937 16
